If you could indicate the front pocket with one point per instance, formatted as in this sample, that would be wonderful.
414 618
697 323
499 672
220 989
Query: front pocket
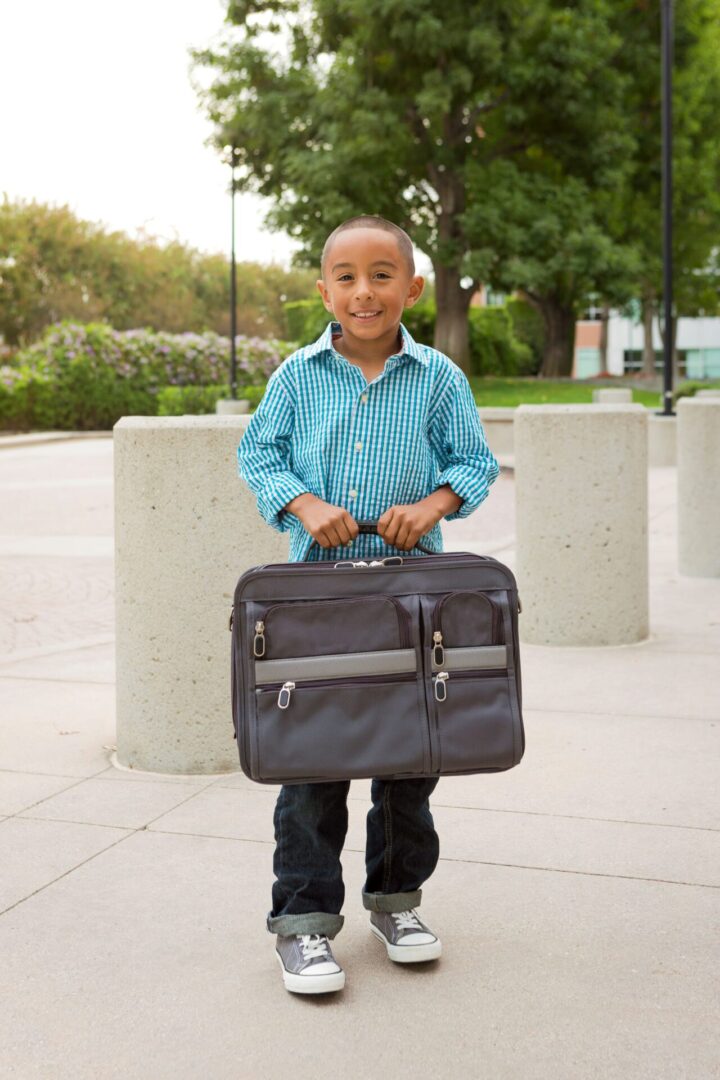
340 729
463 619
319 627
477 721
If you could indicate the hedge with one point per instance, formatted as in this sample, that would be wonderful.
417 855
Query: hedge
505 340
85 377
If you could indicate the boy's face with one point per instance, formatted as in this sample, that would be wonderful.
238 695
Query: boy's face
365 272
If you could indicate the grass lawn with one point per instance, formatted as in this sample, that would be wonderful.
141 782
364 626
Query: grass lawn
495 391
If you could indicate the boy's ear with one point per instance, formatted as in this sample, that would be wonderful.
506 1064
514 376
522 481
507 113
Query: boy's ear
324 293
415 290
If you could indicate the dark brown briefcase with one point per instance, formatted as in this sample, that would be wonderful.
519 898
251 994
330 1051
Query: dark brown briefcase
396 667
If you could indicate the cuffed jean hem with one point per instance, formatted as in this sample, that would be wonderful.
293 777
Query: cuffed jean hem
399 901
313 922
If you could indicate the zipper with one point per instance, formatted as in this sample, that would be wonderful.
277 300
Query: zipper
442 678
259 644
284 690
438 649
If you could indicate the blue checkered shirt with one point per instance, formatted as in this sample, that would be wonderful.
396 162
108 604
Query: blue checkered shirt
321 427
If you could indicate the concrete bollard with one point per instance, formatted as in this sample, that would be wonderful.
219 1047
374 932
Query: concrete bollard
497 422
186 528
232 406
612 395
662 439
699 486
582 535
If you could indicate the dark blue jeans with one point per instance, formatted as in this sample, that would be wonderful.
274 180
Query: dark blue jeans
310 826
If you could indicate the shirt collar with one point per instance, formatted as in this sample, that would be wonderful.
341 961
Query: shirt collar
324 344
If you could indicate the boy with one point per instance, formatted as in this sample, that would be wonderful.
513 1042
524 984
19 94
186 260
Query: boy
365 423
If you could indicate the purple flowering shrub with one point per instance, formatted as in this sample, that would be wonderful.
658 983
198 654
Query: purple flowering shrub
85 377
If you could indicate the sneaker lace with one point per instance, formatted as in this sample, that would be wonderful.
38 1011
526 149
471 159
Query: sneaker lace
406 920
313 946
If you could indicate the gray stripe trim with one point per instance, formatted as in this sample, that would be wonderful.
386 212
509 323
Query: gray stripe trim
483 656
335 666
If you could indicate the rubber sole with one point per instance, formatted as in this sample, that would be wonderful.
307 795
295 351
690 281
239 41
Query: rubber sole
408 954
311 984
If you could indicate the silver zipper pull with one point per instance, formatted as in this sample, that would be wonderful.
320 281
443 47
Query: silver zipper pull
284 695
439 685
438 651
259 639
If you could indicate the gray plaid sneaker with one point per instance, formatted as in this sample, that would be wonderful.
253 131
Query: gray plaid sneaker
308 965
407 940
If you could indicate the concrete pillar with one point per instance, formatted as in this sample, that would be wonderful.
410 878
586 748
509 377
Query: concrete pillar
612 395
699 486
662 439
582 536
497 422
232 406
186 528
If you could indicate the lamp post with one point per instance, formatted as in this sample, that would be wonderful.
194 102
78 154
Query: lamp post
233 279
231 405
666 7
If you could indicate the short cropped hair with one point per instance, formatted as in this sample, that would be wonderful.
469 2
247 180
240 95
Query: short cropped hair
372 221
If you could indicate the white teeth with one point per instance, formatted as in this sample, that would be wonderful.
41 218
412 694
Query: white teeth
366 315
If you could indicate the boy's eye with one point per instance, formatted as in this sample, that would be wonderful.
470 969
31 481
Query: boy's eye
380 273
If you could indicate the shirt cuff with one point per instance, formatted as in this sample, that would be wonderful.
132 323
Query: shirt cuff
281 489
469 485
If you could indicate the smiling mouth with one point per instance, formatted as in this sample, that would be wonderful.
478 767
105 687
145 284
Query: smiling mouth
364 316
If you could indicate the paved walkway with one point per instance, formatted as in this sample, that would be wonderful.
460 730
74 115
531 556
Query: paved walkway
577 895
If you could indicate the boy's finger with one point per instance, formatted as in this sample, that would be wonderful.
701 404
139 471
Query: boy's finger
336 540
343 534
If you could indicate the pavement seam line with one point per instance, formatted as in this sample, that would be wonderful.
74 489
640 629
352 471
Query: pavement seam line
80 780
130 832
571 817
471 862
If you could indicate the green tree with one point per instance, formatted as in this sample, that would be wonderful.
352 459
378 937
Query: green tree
696 157
55 266
403 107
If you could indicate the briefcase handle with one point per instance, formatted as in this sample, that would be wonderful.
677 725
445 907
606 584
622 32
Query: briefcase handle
372 527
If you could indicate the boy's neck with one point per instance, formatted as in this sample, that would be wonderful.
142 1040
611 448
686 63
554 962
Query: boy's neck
368 352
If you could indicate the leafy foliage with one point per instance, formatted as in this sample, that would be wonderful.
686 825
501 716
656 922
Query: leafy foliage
54 266
86 377
509 138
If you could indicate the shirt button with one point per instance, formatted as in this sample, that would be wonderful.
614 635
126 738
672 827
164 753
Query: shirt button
364 399
358 446
353 494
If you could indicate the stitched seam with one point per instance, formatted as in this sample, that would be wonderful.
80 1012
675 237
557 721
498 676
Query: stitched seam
387 820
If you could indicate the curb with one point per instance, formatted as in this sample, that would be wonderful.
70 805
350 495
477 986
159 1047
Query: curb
36 438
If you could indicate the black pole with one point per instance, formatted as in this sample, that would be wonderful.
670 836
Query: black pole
667 62
233 284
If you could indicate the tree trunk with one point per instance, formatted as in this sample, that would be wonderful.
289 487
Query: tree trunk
604 336
451 324
648 313
559 349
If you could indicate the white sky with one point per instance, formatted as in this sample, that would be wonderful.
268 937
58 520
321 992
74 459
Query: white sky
99 114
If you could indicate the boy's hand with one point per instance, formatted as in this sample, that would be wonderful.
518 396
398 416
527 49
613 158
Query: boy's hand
330 525
403 525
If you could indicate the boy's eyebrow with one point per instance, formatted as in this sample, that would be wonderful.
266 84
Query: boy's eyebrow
378 262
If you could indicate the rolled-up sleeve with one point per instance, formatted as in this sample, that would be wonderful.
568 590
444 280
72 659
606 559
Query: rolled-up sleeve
264 455
458 442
